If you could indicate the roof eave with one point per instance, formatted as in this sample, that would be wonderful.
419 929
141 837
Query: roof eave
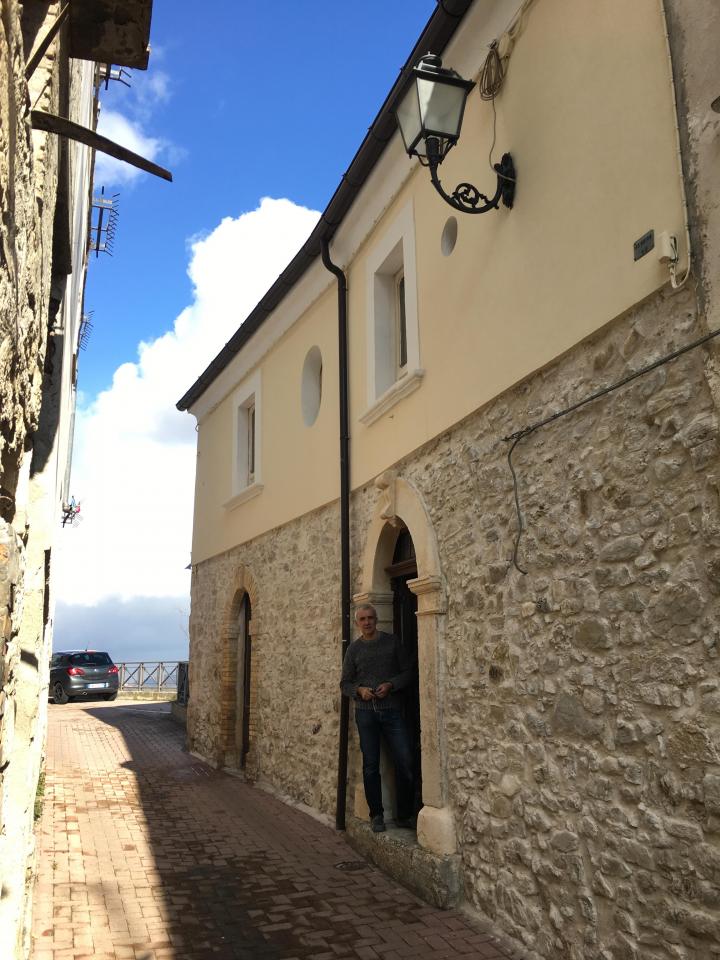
438 32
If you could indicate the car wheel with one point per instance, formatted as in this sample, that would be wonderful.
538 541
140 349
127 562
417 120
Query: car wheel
59 695
111 696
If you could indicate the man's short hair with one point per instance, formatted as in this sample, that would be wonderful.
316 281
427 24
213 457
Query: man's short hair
365 606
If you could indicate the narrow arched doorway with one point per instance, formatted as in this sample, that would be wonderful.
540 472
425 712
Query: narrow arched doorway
239 675
402 569
244 681
399 506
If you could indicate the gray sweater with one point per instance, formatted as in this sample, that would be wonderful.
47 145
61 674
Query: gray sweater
368 663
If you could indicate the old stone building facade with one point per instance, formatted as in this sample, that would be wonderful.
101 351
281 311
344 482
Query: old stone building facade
48 67
568 684
36 211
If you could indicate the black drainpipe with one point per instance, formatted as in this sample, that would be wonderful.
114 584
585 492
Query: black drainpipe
344 526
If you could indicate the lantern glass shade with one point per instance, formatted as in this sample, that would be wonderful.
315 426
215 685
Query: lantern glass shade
441 106
410 121
432 107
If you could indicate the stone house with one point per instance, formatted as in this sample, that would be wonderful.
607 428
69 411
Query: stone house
559 580
49 54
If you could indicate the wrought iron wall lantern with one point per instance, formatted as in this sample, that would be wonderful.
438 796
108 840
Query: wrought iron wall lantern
429 117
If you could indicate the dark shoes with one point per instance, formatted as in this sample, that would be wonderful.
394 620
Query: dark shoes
377 824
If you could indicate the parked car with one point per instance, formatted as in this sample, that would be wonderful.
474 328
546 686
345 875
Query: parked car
76 673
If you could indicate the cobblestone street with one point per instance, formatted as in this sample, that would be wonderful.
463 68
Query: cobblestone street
144 852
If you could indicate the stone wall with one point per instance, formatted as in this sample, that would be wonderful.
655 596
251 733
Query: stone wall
581 701
296 655
28 188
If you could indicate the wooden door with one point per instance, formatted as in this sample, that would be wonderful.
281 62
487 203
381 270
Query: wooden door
402 569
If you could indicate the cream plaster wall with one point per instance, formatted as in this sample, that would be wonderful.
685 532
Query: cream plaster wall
587 113
299 463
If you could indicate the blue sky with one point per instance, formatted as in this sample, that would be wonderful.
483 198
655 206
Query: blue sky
262 99
258 109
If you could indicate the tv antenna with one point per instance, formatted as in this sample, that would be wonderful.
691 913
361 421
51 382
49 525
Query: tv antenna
71 513
102 231
85 330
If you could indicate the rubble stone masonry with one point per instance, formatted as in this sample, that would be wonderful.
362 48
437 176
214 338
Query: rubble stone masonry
295 657
582 704
581 700
28 186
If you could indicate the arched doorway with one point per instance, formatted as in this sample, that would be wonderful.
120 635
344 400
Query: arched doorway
402 569
400 506
244 682
239 676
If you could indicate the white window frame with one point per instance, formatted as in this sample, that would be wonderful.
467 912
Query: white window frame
392 257
246 483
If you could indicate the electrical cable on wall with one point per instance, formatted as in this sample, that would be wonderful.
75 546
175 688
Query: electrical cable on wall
490 81
521 525
492 72
519 435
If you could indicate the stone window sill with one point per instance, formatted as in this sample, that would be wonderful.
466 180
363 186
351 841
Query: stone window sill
403 387
247 494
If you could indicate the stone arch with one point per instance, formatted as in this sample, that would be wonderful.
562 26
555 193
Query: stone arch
243 584
400 504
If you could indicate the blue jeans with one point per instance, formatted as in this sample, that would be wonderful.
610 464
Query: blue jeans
390 724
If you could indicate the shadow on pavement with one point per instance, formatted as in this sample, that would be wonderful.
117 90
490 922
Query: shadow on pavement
183 862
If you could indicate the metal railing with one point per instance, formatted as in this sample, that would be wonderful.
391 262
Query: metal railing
149 676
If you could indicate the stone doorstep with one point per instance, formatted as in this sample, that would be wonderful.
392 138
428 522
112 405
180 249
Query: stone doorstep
397 853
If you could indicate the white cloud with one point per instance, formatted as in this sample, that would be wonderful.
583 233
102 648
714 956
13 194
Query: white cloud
134 461
127 133
126 114
157 89
144 628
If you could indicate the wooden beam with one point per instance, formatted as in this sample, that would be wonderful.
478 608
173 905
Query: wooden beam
74 131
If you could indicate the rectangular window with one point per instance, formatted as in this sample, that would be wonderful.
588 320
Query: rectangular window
90 659
247 442
393 337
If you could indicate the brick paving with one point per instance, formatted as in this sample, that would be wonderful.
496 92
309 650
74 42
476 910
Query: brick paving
146 853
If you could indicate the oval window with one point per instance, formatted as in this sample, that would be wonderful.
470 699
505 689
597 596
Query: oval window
311 389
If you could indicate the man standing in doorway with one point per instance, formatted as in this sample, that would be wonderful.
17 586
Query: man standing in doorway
375 672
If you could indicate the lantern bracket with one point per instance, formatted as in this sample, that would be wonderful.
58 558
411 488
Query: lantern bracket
466 197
